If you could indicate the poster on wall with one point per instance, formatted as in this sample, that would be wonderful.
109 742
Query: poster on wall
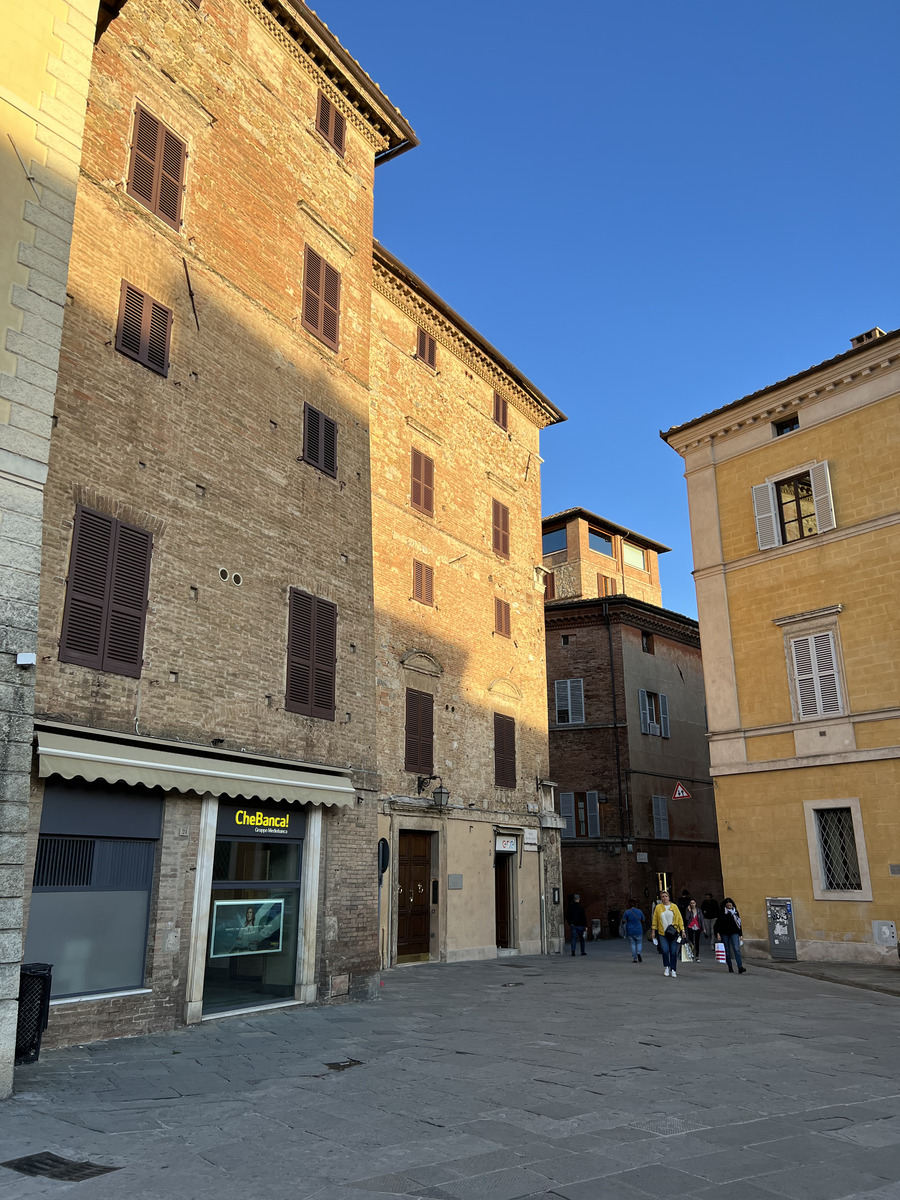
246 927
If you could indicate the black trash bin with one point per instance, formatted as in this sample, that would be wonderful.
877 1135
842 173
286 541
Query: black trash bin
34 1010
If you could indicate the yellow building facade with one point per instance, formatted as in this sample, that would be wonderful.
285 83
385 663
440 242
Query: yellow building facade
795 505
45 62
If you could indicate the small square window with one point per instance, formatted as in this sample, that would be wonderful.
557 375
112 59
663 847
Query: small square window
566 639
554 541
633 556
647 643
788 425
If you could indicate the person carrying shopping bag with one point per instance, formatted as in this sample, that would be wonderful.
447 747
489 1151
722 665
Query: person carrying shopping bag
693 924
728 930
667 928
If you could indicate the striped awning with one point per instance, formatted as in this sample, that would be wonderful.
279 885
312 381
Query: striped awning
190 770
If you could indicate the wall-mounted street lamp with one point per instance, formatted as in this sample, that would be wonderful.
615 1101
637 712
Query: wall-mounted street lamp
440 795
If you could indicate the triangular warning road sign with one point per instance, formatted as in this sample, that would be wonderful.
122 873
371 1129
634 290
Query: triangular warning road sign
681 792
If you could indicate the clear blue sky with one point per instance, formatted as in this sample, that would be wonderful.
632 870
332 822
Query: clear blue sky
652 209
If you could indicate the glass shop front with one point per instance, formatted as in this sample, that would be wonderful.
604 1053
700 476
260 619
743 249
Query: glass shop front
254 912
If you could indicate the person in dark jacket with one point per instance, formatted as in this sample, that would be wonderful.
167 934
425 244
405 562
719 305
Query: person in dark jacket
577 919
728 930
683 901
710 910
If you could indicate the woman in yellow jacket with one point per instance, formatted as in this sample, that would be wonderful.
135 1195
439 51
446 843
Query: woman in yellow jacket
668 927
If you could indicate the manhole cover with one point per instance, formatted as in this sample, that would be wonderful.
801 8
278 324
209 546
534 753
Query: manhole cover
666 1126
344 1065
54 1167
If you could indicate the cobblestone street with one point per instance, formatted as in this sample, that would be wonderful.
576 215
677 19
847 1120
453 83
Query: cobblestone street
586 1079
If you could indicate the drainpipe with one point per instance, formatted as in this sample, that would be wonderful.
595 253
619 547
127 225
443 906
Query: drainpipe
624 814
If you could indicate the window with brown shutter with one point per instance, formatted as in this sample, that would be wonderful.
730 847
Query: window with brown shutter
423 583
504 751
501 411
550 586
321 298
607 586
426 349
319 440
500 528
106 595
421 487
156 167
331 124
143 329
419 755
312 655
501 617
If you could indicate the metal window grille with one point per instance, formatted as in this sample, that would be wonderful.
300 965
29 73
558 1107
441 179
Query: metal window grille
63 862
837 847
98 864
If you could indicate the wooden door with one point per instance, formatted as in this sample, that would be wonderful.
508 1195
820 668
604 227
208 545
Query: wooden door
413 887
501 899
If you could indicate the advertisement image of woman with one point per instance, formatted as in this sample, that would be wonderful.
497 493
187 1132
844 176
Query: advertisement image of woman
668 928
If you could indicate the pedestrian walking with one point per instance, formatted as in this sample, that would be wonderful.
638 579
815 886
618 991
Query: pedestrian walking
693 924
710 910
728 930
633 919
577 919
667 928
683 901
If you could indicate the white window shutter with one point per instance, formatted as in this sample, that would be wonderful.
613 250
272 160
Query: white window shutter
805 676
562 702
660 817
593 814
826 674
765 508
645 711
576 701
664 714
821 490
567 812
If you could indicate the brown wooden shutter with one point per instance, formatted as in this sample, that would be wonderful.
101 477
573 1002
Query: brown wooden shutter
330 123
421 489
156 169
319 440
300 653
143 329
106 598
325 658
550 586
501 617
331 306
423 583
501 411
500 528
426 349
90 566
127 612
419 750
321 306
504 751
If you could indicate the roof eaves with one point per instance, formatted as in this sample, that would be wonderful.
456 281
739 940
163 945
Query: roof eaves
402 271
568 513
665 434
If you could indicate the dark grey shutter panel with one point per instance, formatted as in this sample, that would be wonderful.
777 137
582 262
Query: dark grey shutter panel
129 588
130 325
339 131
312 291
300 653
504 751
158 320
567 812
501 411
663 715
411 754
330 123
415 483
319 440
593 814
171 178
329 446
500 531
501 617
325 658
84 618
323 116
419 732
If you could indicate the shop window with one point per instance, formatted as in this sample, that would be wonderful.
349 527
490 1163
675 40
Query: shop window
93 876
581 812
654 708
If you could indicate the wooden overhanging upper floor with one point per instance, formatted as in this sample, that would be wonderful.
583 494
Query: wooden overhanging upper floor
404 289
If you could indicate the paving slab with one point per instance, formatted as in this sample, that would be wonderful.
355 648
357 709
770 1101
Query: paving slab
568 1087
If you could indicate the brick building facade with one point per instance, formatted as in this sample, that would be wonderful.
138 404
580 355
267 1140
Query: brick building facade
627 727
459 631
202 825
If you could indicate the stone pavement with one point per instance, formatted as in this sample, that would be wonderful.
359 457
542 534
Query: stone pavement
580 1079
872 979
